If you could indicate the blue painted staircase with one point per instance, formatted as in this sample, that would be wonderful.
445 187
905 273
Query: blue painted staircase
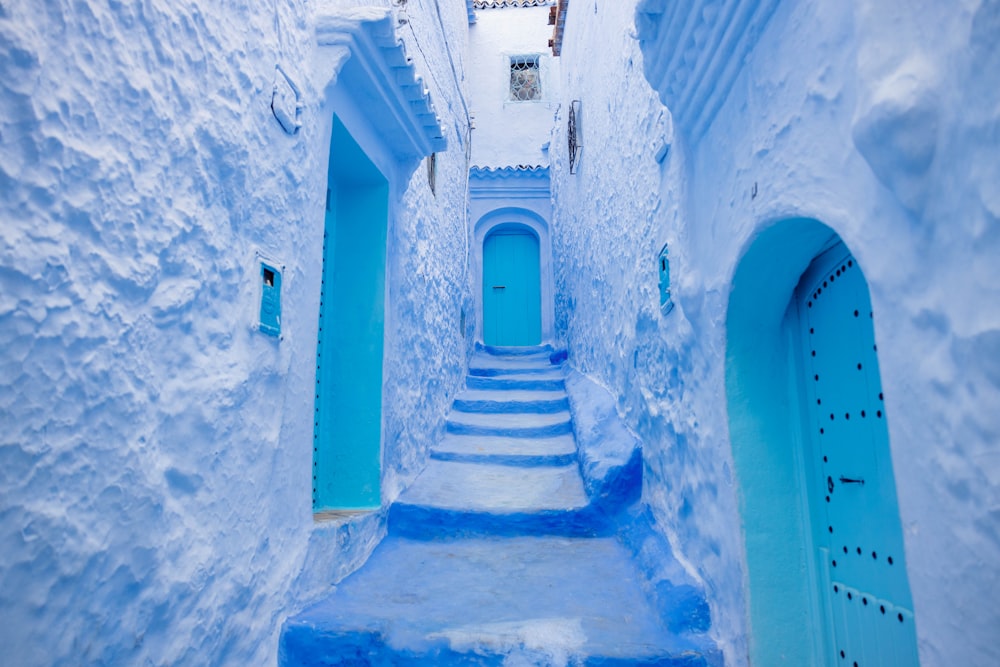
504 550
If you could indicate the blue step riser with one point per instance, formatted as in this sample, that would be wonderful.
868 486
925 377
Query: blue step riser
502 352
693 660
302 646
507 459
479 382
500 372
418 522
532 432
539 407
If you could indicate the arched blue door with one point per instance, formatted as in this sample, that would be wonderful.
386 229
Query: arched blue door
857 536
512 301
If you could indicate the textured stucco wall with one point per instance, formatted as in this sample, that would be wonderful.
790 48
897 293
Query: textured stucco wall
612 217
510 132
876 120
156 451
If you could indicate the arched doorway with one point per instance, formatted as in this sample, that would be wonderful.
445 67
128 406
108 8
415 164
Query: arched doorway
512 302
811 447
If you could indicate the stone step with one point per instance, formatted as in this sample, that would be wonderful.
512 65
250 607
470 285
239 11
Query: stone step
487 601
496 488
537 351
516 382
496 370
517 425
511 400
463 498
554 451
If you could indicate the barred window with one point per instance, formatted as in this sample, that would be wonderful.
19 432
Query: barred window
525 83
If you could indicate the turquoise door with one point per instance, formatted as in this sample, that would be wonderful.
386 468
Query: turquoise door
347 436
512 297
857 536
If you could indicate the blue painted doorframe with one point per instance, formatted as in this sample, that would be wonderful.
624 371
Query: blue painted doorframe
864 592
512 302
347 438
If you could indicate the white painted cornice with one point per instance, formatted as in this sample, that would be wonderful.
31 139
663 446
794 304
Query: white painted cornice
520 181
501 4
373 64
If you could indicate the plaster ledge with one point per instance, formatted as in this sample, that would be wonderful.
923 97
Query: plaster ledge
382 77
514 171
517 182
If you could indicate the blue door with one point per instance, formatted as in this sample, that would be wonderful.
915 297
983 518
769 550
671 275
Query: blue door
512 297
347 436
857 536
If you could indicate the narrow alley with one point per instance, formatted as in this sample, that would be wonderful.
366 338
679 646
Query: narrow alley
500 332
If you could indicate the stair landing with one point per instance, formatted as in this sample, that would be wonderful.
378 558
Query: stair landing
488 601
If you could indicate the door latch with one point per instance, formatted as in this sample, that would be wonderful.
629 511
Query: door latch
848 480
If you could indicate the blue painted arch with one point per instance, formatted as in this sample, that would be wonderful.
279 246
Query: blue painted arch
513 218
771 438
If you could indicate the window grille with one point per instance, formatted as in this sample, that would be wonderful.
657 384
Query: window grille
432 172
573 135
525 82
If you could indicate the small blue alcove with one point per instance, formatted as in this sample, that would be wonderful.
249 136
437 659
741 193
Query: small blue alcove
663 269
270 300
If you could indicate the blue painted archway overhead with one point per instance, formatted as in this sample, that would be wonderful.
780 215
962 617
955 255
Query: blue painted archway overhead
812 456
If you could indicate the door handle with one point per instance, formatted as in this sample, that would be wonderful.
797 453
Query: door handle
843 480
499 287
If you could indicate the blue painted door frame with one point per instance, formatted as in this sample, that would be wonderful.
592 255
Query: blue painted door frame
347 435
512 301
864 593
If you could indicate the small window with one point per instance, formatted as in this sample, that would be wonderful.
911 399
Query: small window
525 81
663 268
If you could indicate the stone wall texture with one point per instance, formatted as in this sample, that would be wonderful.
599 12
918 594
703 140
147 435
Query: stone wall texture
155 454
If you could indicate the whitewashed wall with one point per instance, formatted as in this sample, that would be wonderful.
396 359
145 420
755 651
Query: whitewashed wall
877 120
611 219
155 452
510 133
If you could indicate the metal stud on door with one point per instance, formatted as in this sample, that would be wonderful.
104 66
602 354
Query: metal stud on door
854 512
